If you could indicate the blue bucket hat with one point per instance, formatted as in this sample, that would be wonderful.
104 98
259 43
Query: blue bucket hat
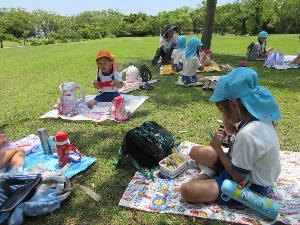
263 34
181 42
242 83
192 46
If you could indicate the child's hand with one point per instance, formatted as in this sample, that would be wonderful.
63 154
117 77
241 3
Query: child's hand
117 84
216 142
96 84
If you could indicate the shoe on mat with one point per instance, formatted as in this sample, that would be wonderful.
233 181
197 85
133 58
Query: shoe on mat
212 85
206 85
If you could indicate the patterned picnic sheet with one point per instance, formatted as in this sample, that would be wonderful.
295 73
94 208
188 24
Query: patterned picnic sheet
163 195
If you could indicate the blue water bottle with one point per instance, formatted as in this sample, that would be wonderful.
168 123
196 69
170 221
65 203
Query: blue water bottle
262 205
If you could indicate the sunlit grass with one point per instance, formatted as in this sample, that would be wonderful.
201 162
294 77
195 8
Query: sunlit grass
29 87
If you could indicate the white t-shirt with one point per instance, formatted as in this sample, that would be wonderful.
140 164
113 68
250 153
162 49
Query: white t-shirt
177 54
190 66
117 77
261 48
256 150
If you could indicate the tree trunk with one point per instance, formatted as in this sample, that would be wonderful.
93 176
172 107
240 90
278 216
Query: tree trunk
1 43
209 23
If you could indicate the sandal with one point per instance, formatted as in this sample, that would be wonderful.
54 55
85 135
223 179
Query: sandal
212 85
206 85
147 87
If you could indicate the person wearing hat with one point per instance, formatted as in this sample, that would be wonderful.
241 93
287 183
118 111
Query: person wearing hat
262 43
190 61
254 153
168 42
108 79
178 53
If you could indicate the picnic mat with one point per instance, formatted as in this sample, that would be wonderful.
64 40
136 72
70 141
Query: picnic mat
36 157
101 112
286 64
129 87
163 196
167 69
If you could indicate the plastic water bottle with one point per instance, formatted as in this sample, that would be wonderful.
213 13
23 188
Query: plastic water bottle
262 205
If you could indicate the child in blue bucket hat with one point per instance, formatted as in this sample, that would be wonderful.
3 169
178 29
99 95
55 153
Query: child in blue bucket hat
248 111
178 53
190 61
262 44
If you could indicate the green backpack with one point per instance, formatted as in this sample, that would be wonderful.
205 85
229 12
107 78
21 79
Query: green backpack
146 145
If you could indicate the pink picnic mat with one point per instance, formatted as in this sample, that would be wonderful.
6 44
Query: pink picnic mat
163 196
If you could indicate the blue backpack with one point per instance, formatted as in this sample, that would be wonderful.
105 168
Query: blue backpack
31 195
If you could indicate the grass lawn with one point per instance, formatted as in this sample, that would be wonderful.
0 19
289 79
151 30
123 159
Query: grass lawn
29 87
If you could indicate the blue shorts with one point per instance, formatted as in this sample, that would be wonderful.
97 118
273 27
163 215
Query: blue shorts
176 67
265 191
188 79
106 96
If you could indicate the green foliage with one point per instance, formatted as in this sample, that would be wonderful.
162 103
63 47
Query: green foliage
29 88
240 17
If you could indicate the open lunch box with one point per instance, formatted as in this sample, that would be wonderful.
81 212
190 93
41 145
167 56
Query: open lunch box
172 166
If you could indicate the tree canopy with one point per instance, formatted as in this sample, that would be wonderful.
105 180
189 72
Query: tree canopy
240 17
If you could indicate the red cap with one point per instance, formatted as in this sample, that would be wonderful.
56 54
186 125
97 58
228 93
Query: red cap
61 136
105 54
242 64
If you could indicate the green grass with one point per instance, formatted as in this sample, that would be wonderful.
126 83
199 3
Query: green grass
29 87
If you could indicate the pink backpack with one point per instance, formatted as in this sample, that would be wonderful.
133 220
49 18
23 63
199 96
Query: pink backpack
67 101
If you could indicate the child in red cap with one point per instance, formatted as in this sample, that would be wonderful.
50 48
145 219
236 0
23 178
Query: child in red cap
108 79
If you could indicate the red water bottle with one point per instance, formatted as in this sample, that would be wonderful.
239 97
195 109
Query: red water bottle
119 109
64 147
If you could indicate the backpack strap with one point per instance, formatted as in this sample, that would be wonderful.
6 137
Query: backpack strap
142 171
120 158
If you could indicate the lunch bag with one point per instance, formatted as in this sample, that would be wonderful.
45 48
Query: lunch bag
67 101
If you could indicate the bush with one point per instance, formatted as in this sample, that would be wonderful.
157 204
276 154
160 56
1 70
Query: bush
50 41
111 36
62 40
35 42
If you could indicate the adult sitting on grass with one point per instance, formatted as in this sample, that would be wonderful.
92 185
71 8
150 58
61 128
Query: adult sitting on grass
168 42
255 150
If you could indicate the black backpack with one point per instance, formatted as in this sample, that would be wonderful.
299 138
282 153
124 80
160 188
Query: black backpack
145 73
252 52
146 145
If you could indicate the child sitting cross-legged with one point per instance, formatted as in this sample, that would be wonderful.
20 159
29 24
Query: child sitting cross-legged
190 61
108 79
248 111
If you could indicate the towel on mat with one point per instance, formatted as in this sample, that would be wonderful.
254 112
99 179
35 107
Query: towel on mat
36 157
129 87
286 64
167 69
101 112
163 195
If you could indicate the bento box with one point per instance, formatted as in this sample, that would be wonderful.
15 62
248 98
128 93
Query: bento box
172 166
